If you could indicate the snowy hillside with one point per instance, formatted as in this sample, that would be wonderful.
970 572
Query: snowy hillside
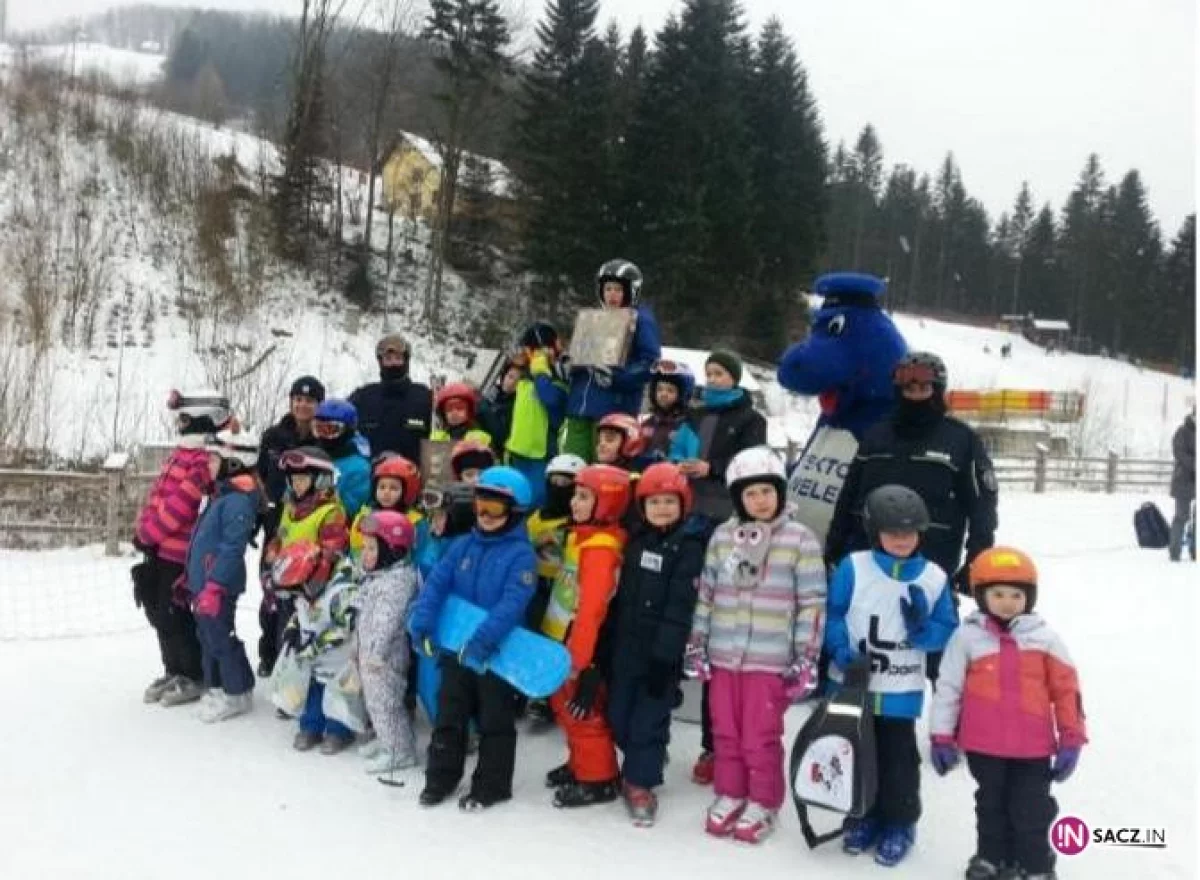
235 800
1129 409
124 67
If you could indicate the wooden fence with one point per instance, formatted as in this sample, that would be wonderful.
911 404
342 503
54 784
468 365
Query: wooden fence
1109 474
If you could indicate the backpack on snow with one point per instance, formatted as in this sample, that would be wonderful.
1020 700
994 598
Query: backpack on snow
1151 527
833 757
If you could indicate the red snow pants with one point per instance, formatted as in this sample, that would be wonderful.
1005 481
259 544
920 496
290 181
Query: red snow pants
590 751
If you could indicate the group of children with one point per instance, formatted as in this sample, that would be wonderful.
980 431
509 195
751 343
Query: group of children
611 559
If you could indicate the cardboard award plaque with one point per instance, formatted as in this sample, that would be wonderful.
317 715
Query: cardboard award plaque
602 337
435 463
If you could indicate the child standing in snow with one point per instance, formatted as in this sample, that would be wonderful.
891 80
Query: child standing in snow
578 607
396 486
668 432
756 637
493 568
164 527
651 619
457 407
1021 732
386 589
894 605
216 573
539 404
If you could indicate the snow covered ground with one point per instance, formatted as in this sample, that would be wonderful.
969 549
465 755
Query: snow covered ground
124 67
97 785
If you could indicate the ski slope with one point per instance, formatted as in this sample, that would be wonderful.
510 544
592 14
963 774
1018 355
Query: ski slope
97 785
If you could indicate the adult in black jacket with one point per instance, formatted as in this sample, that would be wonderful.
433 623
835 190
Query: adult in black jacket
292 431
394 414
1183 482
935 455
649 622
726 423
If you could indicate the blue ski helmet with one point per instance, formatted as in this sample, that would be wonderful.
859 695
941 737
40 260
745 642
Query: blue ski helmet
506 482
337 410
678 374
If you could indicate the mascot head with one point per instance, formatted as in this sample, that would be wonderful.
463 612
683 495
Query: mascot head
848 358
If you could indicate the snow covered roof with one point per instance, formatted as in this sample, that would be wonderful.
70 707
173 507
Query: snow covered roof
503 182
1051 325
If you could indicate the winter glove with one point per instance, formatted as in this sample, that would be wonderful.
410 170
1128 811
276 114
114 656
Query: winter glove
1064 763
603 376
179 593
800 680
660 676
962 580
539 364
943 754
695 662
915 610
208 603
475 654
586 691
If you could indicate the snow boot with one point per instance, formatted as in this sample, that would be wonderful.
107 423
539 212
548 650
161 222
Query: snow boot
181 690
894 843
704 769
980 868
540 715
641 803
370 749
755 824
222 706
586 794
335 744
473 803
155 690
723 815
859 835
306 742
265 669
431 796
390 760
560 776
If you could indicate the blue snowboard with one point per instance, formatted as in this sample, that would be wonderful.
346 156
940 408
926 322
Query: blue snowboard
533 664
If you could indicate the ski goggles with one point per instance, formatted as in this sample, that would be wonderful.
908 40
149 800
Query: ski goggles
328 430
491 508
914 374
433 499
295 460
670 368
177 400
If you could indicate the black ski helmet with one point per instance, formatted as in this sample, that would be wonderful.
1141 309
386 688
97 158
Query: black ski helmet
894 508
629 275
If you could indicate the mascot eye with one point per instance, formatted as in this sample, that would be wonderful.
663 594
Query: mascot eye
836 326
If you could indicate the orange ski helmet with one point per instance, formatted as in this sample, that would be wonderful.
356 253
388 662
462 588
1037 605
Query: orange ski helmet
1007 566
460 391
665 478
400 468
612 489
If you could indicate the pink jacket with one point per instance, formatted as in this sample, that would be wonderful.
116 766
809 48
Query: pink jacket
1010 693
173 505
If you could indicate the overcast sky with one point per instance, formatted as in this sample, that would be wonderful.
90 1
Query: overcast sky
1018 89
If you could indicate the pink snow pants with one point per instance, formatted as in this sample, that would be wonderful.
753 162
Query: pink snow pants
747 720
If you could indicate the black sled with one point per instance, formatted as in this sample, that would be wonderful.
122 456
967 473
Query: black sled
1151 526
833 757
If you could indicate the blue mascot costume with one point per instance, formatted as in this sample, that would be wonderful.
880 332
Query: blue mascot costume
847 362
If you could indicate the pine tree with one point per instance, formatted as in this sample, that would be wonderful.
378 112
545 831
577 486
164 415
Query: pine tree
1179 297
1080 244
868 178
1017 238
1042 283
1133 247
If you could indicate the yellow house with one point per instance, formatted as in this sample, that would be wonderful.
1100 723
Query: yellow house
412 172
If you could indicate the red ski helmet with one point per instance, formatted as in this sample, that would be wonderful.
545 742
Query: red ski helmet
295 565
400 468
633 441
457 391
665 478
611 487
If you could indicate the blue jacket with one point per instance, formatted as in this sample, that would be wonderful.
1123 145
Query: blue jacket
587 399
217 552
943 620
353 482
496 572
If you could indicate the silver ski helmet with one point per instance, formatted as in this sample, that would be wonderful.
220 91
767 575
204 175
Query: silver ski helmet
624 272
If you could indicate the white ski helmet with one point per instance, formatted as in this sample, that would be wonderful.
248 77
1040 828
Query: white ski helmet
239 451
204 411
758 464
566 464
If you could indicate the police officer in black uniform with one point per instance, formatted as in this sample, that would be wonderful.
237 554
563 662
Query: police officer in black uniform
395 413
935 455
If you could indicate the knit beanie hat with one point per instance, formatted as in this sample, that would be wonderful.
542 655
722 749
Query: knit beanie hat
729 360
308 386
